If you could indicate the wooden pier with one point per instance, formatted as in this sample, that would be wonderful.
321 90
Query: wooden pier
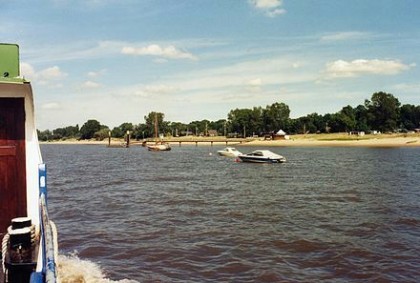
125 143
196 141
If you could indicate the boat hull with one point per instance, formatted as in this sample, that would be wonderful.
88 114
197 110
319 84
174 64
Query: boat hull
261 160
229 152
226 154
159 147
262 156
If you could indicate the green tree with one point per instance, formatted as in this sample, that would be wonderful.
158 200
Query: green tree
316 123
44 135
410 116
156 117
347 115
177 128
309 123
384 110
294 126
239 121
122 129
337 123
276 117
67 132
199 127
89 128
256 121
219 126
362 118
102 134
142 131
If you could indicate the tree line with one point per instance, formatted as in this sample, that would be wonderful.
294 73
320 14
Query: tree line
383 112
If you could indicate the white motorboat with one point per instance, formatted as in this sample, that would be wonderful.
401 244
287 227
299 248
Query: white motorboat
29 238
262 156
229 152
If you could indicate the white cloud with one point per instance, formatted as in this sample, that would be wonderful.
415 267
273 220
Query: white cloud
255 82
272 8
152 90
52 73
170 52
296 65
266 4
408 87
48 76
51 106
275 12
96 74
90 84
253 86
236 78
343 36
26 70
355 68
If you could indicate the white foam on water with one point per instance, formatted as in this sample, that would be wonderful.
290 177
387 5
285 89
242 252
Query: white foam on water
72 269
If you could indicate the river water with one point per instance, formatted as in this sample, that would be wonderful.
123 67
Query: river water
330 214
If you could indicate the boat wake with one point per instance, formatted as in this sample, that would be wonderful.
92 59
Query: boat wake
72 269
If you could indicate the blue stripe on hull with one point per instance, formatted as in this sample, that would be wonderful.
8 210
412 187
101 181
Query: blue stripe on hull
259 160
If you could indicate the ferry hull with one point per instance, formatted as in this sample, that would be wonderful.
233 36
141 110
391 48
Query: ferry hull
28 236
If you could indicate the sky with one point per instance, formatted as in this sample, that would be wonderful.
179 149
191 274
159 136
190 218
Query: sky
116 61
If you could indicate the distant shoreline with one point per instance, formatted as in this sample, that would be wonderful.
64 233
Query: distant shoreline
310 140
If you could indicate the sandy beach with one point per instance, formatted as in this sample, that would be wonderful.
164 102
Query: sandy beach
311 140
374 142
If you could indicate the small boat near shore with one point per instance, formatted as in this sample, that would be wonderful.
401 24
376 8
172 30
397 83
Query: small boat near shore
262 156
29 237
229 152
159 146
